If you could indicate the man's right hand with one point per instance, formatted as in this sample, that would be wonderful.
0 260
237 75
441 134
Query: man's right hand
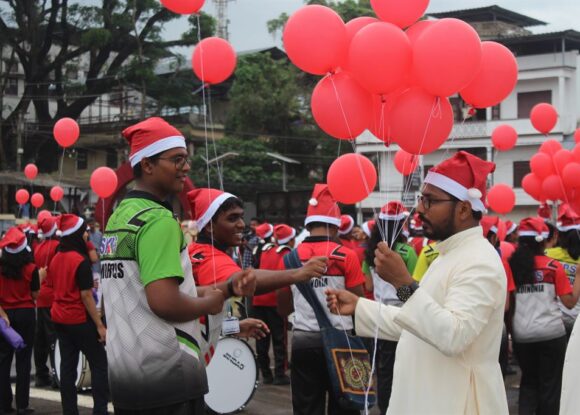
102 331
215 300
314 268
341 302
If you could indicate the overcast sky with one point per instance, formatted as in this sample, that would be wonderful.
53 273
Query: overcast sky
248 17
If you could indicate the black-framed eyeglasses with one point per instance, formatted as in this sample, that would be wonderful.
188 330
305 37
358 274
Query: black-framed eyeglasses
427 201
179 161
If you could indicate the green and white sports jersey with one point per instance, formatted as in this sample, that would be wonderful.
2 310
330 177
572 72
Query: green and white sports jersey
152 362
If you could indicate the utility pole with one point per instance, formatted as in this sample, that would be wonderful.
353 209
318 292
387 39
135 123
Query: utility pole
222 18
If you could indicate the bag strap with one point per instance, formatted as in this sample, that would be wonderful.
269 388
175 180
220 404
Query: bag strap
291 261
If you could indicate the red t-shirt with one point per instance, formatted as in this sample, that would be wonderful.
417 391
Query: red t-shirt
43 254
70 273
18 293
511 285
270 259
210 265
507 249
551 271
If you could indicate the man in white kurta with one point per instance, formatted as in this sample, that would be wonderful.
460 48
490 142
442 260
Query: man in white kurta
570 398
449 329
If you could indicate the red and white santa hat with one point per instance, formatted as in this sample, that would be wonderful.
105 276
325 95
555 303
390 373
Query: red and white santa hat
545 211
463 176
68 223
150 137
510 227
416 223
284 233
322 207
47 226
568 220
368 227
265 230
14 241
346 224
394 210
535 227
205 202
24 227
489 224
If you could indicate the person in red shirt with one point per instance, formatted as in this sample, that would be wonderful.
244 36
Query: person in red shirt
78 325
45 334
19 284
311 386
219 217
264 307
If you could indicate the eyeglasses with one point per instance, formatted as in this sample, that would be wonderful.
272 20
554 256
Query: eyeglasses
179 161
427 201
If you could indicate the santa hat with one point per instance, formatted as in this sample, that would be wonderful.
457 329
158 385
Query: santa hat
489 224
393 210
416 223
545 211
322 207
568 220
14 241
284 233
68 223
510 227
463 176
24 227
151 137
368 227
205 203
47 226
265 230
33 230
535 227
346 224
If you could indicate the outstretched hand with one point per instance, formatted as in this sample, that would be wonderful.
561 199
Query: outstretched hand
341 302
245 283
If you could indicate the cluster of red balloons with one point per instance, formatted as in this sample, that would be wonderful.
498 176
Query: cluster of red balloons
554 174
392 81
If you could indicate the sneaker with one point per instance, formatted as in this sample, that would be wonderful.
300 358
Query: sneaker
281 380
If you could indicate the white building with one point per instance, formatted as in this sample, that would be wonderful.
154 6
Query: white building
549 71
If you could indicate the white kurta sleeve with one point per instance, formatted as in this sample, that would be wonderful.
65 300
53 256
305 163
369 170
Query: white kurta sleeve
451 327
370 313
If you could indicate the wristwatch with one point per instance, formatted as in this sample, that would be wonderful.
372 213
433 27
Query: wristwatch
405 292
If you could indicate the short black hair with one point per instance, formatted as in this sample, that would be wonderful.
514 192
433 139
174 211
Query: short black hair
257 219
313 225
477 215
228 204
138 171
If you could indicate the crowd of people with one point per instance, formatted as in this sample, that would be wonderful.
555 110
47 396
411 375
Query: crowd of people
441 296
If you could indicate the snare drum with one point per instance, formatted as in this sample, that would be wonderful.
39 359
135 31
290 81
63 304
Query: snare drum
83 371
232 376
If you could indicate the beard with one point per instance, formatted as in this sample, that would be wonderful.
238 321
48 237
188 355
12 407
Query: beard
439 232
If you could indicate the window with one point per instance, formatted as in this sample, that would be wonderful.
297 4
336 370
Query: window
521 168
461 111
82 159
11 87
480 152
111 158
527 100
495 112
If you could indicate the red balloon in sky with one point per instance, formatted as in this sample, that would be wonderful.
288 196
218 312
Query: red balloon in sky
66 132
183 6
351 178
30 171
405 163
504 137
22 196
104 181
501 198
37 200
214 60
544 117
56 193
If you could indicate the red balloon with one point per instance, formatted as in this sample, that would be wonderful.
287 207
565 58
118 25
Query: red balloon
351 178
501 198
356 24
446 57
576 153
43 214
553 188
577 136
550 147
214 60
561 159
504 137
104 182
417 30
66 132
183 6
496 79
405 163
37 200
570 175
22 196
541 165
379 126
30 171
400 13
56 193
532 185
380 57
341 107
420 122
315 39
544 117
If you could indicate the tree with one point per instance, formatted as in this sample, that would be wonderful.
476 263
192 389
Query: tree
48 36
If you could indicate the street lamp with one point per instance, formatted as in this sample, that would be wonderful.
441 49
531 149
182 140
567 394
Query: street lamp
284 160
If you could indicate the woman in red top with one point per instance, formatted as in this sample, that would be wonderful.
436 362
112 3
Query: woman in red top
78 325
19 284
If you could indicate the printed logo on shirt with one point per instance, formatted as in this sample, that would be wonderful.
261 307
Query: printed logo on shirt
197 257
108 245
112 270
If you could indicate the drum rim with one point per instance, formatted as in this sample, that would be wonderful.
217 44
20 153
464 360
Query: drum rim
241 408
81 373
